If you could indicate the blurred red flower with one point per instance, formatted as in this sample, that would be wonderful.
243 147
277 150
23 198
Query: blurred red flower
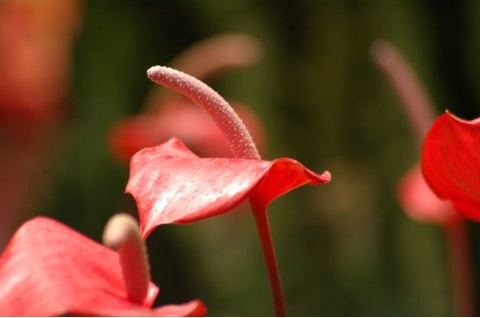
417 199
183 120
36 39
415 195
49 269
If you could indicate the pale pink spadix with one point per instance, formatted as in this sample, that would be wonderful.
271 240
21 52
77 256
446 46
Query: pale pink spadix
230 124
122 234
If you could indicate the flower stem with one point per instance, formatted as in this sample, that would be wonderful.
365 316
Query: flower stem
265 235
122 234
221 112
460 267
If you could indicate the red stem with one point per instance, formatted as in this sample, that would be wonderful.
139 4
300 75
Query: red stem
263 227
460 267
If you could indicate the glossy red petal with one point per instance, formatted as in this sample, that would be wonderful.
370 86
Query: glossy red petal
49 269
451 162
172 185
285 175
420 203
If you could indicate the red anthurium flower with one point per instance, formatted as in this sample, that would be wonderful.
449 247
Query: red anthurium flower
170 115
172 185
450 166
415 195
450 162
36 39
49 269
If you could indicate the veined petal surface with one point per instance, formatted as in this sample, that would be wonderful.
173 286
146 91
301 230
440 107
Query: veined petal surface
172 185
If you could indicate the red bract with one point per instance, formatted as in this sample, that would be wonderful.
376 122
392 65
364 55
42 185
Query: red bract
49 269
451 162
172 185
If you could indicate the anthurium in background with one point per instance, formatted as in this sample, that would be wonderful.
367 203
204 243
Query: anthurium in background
49 269
35 52
416 196
36 39
173 185
167 114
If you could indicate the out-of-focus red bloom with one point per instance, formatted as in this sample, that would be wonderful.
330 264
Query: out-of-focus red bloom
49 269
172 185
415 195
183 120
35 44
168 115
451 162
417 199
36 39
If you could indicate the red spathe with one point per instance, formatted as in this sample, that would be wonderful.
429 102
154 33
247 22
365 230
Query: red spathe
172 185
451 162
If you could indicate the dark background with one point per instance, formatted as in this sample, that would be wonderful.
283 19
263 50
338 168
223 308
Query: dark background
345 248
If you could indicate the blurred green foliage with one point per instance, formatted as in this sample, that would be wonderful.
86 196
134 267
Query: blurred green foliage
345 248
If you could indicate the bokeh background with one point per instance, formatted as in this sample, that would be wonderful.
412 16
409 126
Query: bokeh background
345 248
